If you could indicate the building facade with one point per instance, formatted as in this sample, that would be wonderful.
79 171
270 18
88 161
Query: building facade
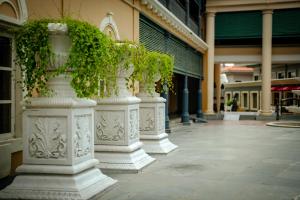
262 33
173 27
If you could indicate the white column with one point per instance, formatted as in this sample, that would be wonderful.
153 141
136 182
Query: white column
266 63
210 40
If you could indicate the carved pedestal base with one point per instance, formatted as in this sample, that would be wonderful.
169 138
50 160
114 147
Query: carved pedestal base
58 153
152 125
35 182
117 144
157 144
122 158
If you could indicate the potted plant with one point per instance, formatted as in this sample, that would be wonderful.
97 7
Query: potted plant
229 105
119 71
89 56
150 67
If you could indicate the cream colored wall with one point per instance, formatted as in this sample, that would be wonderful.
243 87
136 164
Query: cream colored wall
237 51
92 11
255 51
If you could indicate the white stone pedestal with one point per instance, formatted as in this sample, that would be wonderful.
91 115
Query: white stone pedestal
152 124
117 144
58 139
58 153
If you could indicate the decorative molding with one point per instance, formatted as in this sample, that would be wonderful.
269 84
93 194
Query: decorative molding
147 122
82 138
108 21
133 124
12 6
21 13
110 126
48 138
248 5
158 9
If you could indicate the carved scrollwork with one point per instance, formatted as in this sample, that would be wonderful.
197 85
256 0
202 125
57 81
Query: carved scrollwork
82 137
110 126
147 122
48 139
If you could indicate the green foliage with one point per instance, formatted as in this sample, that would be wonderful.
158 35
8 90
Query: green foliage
93 58
89 58
33 55
229 103
122 59
149 64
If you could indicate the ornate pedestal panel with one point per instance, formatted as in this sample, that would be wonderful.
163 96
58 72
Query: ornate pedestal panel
152 124
117 140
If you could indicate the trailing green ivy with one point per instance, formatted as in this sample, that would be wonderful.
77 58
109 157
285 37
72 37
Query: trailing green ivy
33 55
93 58
149 64
89 59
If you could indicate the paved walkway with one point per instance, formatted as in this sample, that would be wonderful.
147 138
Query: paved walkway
228 160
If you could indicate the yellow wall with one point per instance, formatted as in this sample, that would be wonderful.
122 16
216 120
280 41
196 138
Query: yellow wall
92 11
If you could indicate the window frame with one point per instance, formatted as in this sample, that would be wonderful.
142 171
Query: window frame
228 93
242 100
251 100
12 69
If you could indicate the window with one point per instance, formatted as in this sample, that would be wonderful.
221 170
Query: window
280 75
6 87
237 95
254 100
291 74
228 97
256 77
245 100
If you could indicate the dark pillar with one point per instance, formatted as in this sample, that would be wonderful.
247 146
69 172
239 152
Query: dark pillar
165 95
185 117
199 116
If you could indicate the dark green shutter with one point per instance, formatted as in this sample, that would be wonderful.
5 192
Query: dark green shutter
238 25
187 60
286 23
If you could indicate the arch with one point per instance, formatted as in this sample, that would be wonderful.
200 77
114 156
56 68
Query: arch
19 10
12 6
109 26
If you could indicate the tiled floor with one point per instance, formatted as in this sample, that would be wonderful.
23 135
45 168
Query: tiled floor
228 160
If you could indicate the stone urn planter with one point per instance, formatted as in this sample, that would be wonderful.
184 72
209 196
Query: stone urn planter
58 153
117 138
152 121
